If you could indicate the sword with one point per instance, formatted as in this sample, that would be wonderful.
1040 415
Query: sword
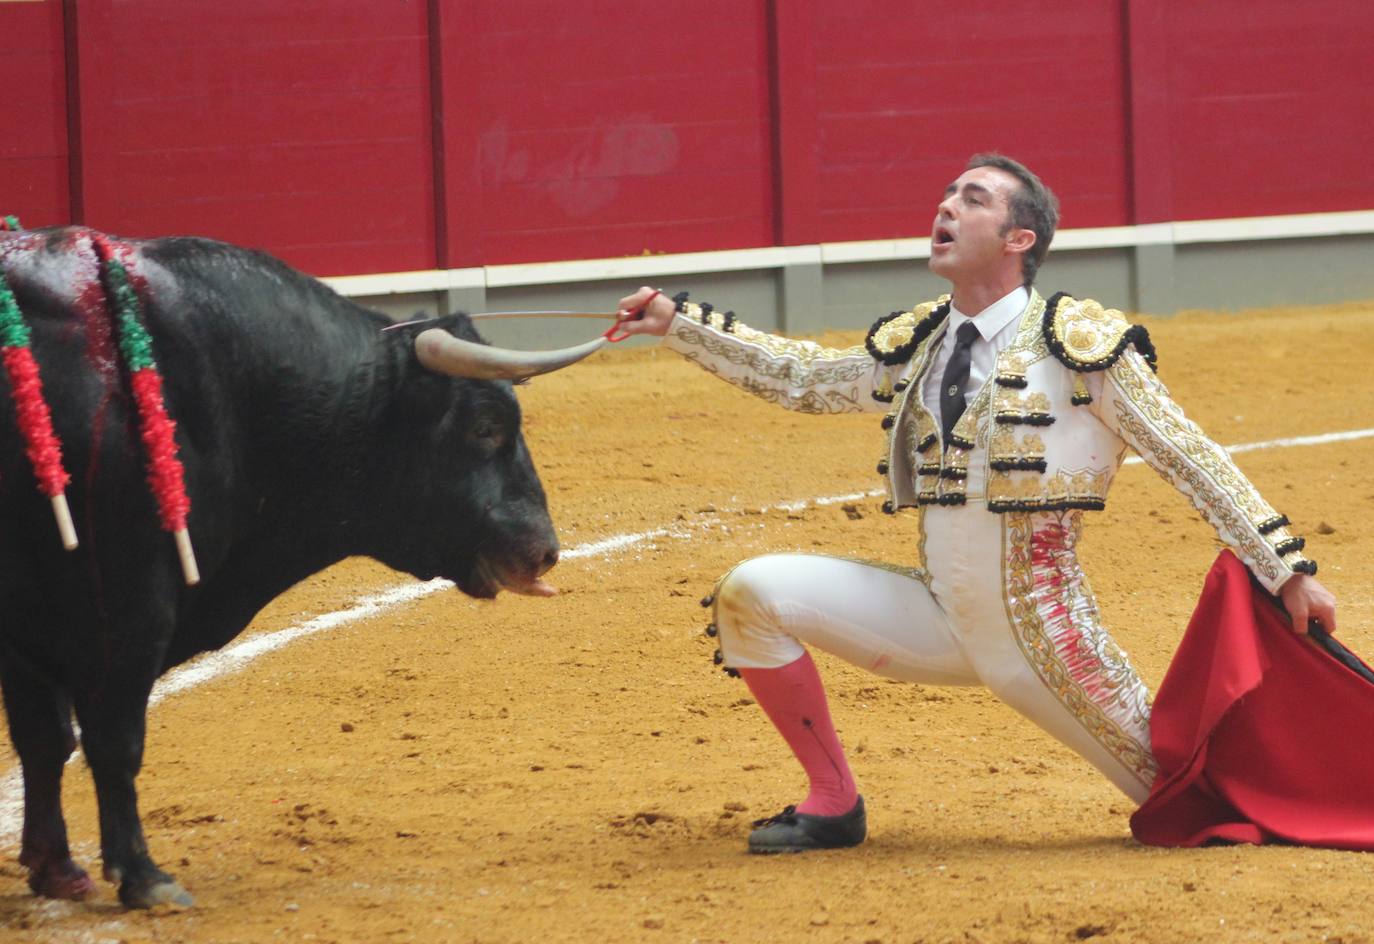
543 314
614 334
513 314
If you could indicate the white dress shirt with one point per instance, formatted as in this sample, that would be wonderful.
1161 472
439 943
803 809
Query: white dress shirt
996 326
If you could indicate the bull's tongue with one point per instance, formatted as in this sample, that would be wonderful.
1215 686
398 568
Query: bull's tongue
536 588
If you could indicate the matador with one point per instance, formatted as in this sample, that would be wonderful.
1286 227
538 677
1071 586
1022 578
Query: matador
1006 416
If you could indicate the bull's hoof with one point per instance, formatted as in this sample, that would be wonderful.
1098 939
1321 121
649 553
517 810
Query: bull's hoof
165 892
61 879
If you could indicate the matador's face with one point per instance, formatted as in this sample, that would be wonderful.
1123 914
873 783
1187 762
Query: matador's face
970 238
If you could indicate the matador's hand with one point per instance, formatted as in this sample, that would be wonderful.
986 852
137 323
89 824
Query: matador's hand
655 318
1306 599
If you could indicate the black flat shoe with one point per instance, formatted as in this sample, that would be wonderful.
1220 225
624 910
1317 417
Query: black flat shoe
791 831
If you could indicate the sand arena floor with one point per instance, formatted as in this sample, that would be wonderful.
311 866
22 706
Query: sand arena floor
575 770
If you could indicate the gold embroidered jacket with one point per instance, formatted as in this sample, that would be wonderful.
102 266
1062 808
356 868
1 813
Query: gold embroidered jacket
1074 388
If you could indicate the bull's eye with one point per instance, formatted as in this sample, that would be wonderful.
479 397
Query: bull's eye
487 433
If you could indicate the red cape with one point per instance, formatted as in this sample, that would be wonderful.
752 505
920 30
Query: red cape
1261 735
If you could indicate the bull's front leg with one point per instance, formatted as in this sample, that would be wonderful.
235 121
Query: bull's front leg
113 724
41 729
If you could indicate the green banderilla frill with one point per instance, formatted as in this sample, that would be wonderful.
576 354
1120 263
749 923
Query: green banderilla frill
135 344
13 331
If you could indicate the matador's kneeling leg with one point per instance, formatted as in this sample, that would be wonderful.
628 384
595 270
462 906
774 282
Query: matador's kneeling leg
872 616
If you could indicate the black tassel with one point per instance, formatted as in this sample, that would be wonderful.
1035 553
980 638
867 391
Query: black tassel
1284 548
1017 465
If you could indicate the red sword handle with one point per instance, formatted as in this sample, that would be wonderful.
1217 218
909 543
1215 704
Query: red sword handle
634 315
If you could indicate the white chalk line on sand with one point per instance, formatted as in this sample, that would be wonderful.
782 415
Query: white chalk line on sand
1321 439
235 657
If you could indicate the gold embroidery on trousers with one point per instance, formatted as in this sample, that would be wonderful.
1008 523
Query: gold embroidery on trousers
1078 653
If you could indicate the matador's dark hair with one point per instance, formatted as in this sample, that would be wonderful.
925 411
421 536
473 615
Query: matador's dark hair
1033 206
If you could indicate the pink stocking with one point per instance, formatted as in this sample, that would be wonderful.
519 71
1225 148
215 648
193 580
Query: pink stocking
794 700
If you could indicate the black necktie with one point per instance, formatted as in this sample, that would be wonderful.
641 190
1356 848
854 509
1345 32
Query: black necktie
956 378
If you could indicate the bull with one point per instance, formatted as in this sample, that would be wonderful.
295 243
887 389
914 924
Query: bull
307 435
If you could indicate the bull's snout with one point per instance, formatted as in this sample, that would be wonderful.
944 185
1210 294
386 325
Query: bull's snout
540 562
522 565
543 557
547 561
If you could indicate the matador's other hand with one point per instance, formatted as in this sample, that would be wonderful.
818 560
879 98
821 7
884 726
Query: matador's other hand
655 318
1306 599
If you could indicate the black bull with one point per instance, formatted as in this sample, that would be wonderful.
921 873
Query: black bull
307 435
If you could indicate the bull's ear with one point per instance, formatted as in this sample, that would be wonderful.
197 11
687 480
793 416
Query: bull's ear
442 353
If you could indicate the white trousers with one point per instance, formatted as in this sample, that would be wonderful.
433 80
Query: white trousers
1002 603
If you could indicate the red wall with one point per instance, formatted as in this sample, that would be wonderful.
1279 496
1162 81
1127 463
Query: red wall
905 98
33 113
627 128
357 136
1272 107
301 126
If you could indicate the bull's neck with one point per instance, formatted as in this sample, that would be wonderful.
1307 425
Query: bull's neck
360 410
324 455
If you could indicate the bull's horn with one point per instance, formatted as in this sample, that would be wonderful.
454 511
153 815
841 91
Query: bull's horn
442 353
